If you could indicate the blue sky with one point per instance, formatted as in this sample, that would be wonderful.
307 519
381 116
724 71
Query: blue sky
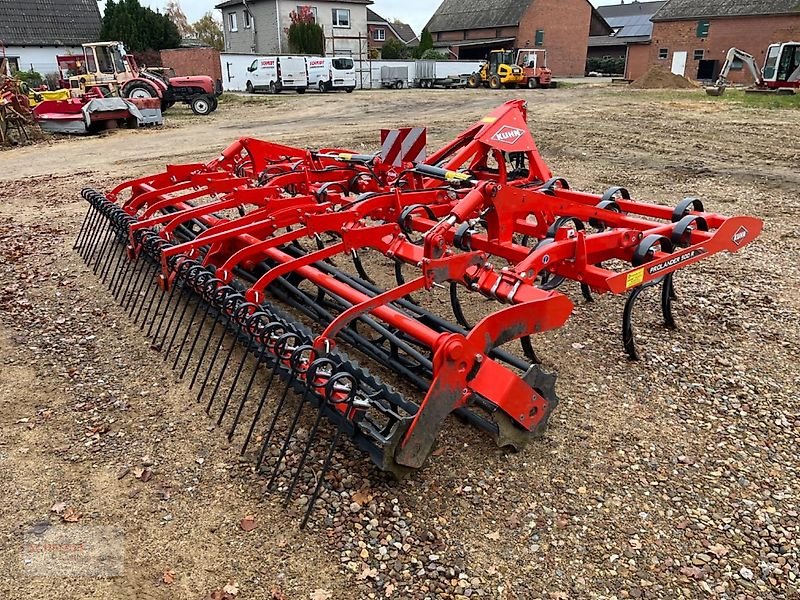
414 12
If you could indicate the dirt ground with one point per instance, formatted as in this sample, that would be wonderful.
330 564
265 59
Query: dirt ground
672 477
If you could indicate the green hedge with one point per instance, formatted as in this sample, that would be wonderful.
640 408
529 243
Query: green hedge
609 66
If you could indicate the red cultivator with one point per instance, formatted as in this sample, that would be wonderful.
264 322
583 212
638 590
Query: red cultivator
276 248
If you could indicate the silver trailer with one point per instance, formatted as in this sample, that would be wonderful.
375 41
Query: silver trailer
427 76
394 77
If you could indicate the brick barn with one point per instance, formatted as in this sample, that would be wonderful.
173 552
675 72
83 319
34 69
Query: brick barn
381 31
469 29
692 37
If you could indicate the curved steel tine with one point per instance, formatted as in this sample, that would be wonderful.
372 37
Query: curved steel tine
628 340
667 296
455 303
362 272
527 349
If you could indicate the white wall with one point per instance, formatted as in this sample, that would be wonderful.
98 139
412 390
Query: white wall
369 72
41 58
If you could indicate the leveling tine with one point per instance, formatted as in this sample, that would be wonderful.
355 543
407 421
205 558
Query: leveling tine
268 251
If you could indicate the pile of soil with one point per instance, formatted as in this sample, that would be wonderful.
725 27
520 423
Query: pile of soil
661 78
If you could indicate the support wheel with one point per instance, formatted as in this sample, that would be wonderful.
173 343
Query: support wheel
249 87
533 83
473 81
202 105
494 82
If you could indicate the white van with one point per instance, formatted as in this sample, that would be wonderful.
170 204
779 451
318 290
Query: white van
331 73
276 73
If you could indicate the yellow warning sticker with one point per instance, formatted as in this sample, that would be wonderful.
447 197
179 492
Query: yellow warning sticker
634 278
343 156
488 119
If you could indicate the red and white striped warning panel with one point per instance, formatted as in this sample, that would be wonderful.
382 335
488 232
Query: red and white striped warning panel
406 144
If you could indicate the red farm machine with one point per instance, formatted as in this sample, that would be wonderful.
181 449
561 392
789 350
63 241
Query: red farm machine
107 67
291 288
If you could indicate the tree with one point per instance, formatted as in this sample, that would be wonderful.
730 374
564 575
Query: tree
209 31
393 49
138 27
175 13
432 54
305 36
425 43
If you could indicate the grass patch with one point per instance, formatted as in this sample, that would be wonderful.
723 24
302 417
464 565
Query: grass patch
731 96
765 100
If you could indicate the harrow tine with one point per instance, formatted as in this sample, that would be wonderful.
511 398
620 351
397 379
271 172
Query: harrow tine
118 282
109 235
90 231
311 373
203 352
198 302
137 298
222 370
260 356
114 256
234 383
265 392
170 299
320 478
194 341
186 302
82 231
98 230
273 422
149 298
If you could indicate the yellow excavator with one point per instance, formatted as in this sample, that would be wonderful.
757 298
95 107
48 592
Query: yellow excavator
499 71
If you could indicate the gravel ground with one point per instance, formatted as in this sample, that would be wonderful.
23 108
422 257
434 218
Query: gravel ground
675 476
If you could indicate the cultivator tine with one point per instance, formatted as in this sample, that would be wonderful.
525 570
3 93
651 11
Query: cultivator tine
260 260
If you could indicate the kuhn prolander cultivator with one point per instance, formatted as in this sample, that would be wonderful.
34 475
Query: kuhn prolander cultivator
267 270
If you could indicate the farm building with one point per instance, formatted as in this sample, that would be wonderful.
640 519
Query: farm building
630 23
34 32
382 30
692 37
260 26
469 29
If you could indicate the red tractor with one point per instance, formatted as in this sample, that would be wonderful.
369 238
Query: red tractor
106 66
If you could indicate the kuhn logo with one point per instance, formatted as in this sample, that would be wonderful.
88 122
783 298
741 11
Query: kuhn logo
508 135
740 234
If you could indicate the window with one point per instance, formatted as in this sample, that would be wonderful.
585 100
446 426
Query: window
379 35
342 64
699 54
247 19
539 40
663 53
341 17
232 26
313 10
702 28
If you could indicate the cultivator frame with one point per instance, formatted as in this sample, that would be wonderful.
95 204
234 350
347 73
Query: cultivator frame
250 247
